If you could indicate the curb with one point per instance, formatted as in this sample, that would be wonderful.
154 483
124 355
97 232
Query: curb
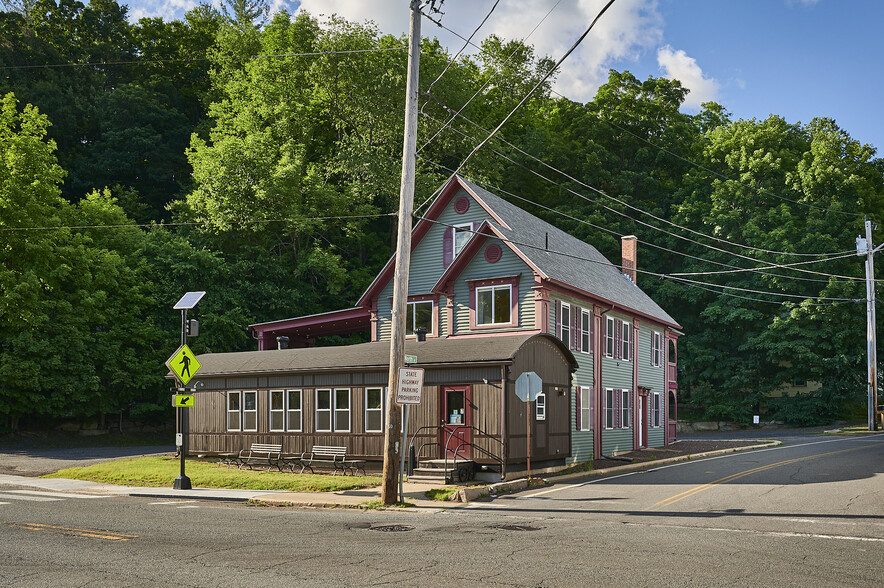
492 490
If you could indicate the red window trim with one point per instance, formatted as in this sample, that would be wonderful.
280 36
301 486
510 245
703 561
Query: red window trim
434 298
513 282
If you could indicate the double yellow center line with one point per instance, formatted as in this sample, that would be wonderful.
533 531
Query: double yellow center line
95 534
693 491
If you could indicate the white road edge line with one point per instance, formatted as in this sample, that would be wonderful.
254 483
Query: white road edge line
31 498
769 533
165 502
685 462
58 494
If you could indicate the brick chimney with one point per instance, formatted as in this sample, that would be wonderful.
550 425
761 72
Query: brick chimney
628 253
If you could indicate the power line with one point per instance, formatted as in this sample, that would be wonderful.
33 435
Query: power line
647 243
637 209
466 43
191 59
770 265
487 82
536 86
727 178
188 224
646 272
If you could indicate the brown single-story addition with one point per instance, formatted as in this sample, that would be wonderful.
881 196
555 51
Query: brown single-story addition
336 395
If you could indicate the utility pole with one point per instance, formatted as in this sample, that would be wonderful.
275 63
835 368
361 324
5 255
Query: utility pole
864 246
403 259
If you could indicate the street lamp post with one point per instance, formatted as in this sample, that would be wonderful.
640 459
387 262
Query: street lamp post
187 302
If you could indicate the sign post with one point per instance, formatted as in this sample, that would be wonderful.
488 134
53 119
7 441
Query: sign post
528 388
408 392
184 365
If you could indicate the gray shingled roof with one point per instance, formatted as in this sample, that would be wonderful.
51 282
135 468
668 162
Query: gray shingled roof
583 267
376 355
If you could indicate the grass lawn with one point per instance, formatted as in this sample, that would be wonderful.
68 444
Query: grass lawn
162 471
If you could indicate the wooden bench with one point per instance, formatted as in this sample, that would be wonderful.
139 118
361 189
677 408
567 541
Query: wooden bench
261 454
328 455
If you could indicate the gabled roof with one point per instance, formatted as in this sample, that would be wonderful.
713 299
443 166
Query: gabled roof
554 254
370 356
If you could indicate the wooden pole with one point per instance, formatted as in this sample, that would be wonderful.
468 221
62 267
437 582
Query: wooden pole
403 259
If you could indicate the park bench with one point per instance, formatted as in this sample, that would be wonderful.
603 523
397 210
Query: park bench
328 455
261 454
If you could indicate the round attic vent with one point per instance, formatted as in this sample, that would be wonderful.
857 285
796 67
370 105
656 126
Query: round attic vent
493 253
461 205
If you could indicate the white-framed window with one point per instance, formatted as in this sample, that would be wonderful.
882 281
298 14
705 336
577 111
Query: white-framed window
626 331
462 234
294 410
374 410
494 305
540 407
609 408
586 408
655 410
656 349
565 324
625 405
250 410
323 410
234 411
277 410
609 336
419 314
584 332
342 409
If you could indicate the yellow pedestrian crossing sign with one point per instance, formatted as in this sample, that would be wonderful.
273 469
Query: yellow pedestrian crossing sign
183 364
182 400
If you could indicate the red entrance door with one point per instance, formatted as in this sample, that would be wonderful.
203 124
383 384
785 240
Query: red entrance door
456 435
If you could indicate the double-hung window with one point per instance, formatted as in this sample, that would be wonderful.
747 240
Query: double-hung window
625 405
294 410
234 411
586 408
419 314
656 410
285 410
626 331
609 336
565 324
584 332
462 234
609 408
540 407
374 410
332 408
277 410
494 305
656 349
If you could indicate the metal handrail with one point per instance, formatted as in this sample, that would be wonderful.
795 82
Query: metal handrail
461 445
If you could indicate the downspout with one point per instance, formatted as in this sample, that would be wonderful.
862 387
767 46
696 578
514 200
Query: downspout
503 413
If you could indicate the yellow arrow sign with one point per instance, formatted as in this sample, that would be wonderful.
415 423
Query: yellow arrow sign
182 400
183 364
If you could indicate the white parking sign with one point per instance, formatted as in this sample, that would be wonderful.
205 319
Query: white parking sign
411 382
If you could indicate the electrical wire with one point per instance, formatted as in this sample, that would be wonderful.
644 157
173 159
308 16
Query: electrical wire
193 59
646 243
626 204
487 82
646 272
536 86
188 224
466 43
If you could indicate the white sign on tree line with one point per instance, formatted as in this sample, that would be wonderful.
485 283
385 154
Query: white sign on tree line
411 383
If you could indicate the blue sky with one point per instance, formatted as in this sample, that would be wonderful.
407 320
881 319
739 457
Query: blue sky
795 58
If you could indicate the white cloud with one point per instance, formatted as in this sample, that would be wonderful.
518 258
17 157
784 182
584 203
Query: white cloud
627 29
676 65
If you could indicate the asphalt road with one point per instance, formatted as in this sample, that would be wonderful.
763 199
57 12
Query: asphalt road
808 514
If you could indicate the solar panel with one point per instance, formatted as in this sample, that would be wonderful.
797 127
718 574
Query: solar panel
189 300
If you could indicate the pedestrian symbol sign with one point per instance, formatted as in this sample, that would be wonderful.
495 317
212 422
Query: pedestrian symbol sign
183 364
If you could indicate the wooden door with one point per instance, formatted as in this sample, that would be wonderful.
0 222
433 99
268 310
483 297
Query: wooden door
456 432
